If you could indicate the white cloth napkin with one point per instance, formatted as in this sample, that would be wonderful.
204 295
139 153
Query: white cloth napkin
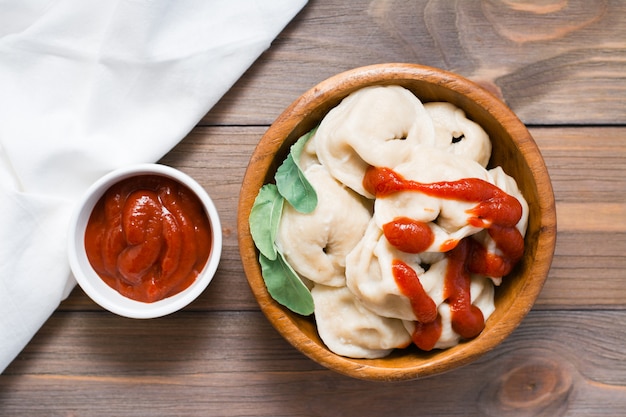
87 86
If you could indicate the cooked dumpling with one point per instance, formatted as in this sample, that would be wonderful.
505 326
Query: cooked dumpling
507 184
482 294
372 282
316 244
372 126
456 134
369 275
449 216
349 329
308 156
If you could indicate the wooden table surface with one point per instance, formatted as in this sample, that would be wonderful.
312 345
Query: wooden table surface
560 65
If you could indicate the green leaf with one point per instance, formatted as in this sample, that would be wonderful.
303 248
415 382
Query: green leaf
285 286
296 149
291 182
265 218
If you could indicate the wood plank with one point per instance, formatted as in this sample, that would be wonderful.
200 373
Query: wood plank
592 217
586 165
552 62
588 171
587 272
590 212
235 364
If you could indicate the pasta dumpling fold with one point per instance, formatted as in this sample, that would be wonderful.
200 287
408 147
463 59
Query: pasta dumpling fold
316 244
458 135
482 295
349 329
448 217
373 126
369 275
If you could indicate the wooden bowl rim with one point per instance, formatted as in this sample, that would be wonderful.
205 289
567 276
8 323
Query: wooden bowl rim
347 82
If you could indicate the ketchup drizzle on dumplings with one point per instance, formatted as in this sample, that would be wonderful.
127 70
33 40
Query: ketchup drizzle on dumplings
408 235
495 210
494 206
428 326
423 306
467 319
426 335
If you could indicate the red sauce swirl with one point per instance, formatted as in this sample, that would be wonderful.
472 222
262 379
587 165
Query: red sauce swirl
148 237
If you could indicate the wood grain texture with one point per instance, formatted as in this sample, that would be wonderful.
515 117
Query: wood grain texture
234 364
588 172
553 62
559 64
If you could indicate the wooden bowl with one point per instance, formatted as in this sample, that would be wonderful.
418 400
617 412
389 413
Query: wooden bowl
513 148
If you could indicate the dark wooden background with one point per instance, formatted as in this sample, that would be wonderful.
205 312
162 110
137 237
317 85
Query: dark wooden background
560 65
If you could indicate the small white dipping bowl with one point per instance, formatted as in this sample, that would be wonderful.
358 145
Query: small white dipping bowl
108 297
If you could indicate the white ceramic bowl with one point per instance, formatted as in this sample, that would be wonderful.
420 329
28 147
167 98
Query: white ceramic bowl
108 297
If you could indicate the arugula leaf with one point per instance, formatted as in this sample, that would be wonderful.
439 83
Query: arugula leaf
265 218
285 286
291 182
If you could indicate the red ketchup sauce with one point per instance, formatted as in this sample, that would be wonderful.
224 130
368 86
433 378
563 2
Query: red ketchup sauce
148 237
495 210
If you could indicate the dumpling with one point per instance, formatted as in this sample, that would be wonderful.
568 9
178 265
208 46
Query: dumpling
369 275
508 185
482 296
449 217
316 244
372 282
458 135
308 156
373 126
349 329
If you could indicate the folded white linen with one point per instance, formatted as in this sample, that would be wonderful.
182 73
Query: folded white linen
87 86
